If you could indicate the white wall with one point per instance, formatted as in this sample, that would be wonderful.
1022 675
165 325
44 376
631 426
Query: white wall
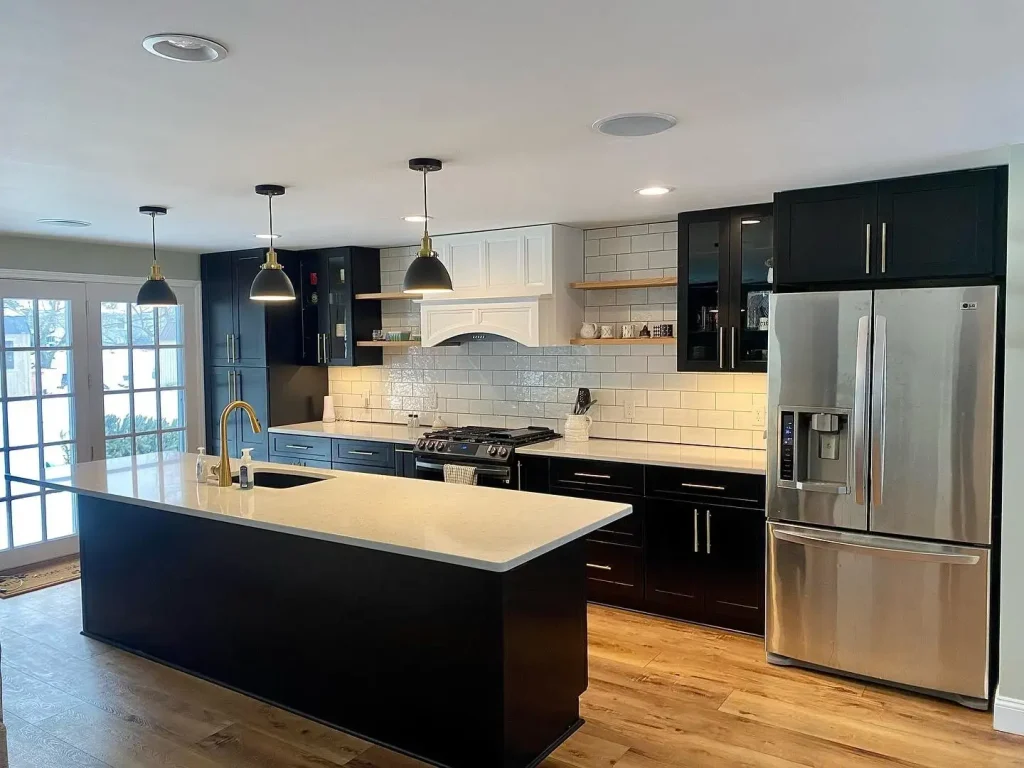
60 255
1009 706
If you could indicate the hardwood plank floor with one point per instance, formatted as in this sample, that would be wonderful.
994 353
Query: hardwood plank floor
662 694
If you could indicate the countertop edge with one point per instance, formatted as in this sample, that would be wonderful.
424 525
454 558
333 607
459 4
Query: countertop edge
292 430
537 449
468 562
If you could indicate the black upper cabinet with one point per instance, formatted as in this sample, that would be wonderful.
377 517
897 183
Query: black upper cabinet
939 227
238 330
332 318
724 260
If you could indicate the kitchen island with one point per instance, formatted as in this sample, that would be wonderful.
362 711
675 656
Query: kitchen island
446 622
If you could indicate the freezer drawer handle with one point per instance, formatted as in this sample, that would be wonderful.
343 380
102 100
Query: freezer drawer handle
705 487
836 488
951 558
599 567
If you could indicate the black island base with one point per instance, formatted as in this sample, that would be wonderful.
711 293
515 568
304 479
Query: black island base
453 665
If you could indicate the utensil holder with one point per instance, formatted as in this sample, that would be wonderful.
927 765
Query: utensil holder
577 428
328 417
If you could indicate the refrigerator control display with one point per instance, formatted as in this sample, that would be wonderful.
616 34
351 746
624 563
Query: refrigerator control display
786 448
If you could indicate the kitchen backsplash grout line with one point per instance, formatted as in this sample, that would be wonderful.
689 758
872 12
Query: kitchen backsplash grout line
505 384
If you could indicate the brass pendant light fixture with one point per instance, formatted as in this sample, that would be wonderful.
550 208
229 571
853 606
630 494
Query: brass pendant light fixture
155 292
271 284
427 273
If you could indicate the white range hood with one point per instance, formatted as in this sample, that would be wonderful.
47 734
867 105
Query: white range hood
510 283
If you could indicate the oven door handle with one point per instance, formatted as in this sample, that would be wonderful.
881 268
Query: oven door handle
503 472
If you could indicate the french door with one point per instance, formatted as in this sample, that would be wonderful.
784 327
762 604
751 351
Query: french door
87 375
43 395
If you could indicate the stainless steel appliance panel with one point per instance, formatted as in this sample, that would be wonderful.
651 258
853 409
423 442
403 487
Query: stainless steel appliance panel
933 413
914 613
818 360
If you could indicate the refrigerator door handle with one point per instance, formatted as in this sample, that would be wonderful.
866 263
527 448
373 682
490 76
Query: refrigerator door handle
860 410
911 553
878 413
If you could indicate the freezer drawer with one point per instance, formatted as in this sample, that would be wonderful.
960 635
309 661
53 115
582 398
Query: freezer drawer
908 612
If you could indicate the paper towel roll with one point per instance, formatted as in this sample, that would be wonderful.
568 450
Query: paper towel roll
328 409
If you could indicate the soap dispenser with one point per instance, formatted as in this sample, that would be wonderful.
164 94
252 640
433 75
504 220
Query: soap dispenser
245 481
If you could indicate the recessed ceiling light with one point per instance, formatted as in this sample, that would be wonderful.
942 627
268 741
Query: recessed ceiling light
184 48
654 191
750 221
267 237
417 218
635 124
65 222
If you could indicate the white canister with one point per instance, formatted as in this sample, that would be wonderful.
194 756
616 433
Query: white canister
328 409
577 428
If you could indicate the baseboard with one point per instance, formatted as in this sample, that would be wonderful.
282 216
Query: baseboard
1008 715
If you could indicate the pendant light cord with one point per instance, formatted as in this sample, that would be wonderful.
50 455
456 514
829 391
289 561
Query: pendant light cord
270 207
425 217
152 220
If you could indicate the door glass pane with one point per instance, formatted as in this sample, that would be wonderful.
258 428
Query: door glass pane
172 402
171 373
58 457
54 323
114 323
5 541
702 291
24 463
143 325
169 319
756 253
60 515
173 441
19 323
147 443
27 520
23 422
56 371
21 373
115 369
57 425
117 414
121 446
338 335
145 411
144 368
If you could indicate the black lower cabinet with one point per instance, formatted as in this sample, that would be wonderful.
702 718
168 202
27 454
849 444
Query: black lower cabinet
615 573
405 463
734 577
675 568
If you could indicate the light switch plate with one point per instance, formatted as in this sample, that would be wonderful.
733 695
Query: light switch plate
758 415
630 407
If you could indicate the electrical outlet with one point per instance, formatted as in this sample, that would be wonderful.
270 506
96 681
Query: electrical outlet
366 401
630 406
758 416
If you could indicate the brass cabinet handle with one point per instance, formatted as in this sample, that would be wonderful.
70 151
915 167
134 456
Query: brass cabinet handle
707 533
599 567
867 249
228 346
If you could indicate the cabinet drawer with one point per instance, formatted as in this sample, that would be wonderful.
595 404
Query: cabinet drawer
293 445
366 469
368 452
607 476
295 461
703 486
614 572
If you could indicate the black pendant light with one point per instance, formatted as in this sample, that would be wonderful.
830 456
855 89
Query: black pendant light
271 284
426 274
155 292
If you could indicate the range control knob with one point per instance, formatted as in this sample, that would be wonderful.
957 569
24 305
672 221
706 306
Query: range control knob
503 452
430 445
421 443
492 451
442 446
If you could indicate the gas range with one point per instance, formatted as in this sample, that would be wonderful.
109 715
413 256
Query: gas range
479 445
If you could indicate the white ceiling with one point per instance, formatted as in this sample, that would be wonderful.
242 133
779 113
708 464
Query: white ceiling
331 98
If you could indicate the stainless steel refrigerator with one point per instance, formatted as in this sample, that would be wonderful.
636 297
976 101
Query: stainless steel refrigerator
880 485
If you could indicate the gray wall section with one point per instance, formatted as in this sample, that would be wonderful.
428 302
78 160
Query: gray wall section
60 255
1011 634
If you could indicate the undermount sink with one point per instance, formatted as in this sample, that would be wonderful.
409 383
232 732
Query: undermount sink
272 479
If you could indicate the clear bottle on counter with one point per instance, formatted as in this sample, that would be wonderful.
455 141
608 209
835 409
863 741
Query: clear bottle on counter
245 479
201 465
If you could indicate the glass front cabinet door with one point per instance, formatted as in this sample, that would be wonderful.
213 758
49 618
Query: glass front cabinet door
724 284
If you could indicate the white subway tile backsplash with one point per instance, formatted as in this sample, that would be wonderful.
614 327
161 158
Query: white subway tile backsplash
502 383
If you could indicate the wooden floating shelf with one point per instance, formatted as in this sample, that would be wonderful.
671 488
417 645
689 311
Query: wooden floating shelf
644 282
387 343
587 342
394 295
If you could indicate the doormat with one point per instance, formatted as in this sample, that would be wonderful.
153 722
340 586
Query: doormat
29 578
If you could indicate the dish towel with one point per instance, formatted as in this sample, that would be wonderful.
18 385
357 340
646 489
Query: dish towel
459 473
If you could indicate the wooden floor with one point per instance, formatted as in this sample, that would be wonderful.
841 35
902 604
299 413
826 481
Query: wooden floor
661 694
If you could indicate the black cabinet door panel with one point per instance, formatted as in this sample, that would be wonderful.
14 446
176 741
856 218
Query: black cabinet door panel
251 336
369 452
348 466
614 573
938 226
220 387
405 462
826 235
597 476
734 543
251 386
300 446
218 307
675 565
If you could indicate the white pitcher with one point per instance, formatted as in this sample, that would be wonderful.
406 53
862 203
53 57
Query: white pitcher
577 428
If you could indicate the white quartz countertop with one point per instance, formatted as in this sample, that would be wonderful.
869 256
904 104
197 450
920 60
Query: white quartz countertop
487 528
357 430
663 454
